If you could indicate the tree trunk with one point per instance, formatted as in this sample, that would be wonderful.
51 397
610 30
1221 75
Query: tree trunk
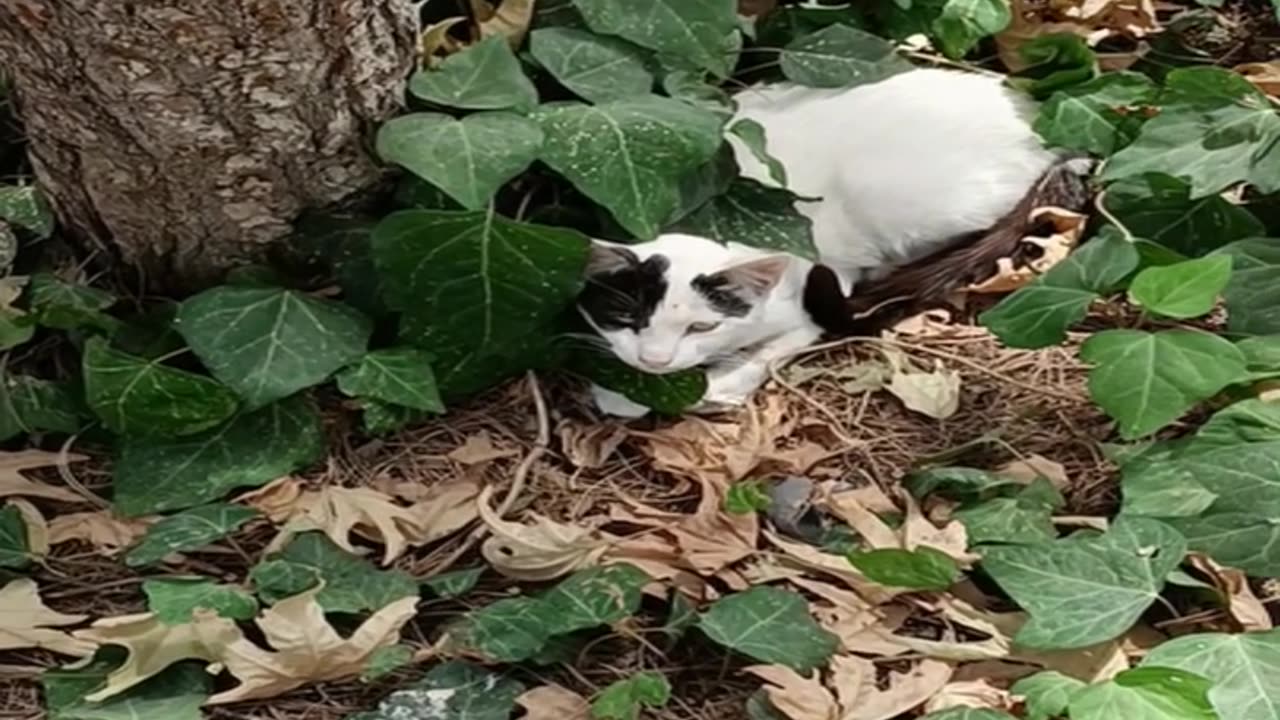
184 136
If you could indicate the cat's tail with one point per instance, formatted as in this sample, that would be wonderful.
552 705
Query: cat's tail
967 260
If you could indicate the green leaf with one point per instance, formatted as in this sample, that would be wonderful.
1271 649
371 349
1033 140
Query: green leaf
173 600
1047 693
15 550
669 394
746 497
628 155
1241 668
1246 541
959 483
1025 518
754 214
63 306
1081 591
269 343
1147 693
386 660
1055 61
1039 314
25 207
509 630
134 396
692 88
380 418
1261 354
351 584
468 158
29 404
451 691
485 76
752 135
692 30
399 376
1183 290
1211 145
1159 208
623 699
963 23
1147 380
769 625
250 450
1096 117
840 56
454 584
921 569
1253 295
968 713
593 597
596 68
175 694
189 530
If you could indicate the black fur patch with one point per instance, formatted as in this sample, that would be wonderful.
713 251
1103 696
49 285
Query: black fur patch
626 298
718 291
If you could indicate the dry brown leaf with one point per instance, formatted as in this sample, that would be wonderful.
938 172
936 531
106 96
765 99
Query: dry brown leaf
12 481
37 528
107 533
862 699
444 508
510 20
436 40
339 511
25 622
852 619
154 646
970 694
278 500
918 530
541 551
1068 228
836 566
479 448
1093 20
590 445
553 702
1242 605
1265 75
794 695
933 393
1033 466
851 506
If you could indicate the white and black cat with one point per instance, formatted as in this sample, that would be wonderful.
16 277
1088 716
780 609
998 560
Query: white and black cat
902 167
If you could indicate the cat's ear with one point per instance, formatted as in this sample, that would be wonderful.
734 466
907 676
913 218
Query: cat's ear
607 257
756 277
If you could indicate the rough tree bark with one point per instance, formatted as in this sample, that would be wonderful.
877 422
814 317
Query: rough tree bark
185 135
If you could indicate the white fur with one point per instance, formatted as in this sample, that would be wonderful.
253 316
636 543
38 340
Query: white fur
901 167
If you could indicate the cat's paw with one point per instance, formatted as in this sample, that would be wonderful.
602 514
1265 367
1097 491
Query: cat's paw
616 404
720 402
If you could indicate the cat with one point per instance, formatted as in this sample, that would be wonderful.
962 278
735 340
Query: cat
890 171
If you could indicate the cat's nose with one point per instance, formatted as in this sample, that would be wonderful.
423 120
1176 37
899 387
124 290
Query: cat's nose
655 362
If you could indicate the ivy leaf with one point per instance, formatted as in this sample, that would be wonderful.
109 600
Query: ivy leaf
64 306
1246 541
509 630
173 600
25 207
592 597
1024 518
596 68
769 625
1095 117
485 76
380 418
959 483
628 155
692 31
1182 290
29 404
454 584
746 497
1237 666
968 713
134 396
921 569
1081 591
1055 61
15 549
399 376
1039 314
1147 380
623 699
754 214
176 693
1146 693
468 158
752 135
269 343
963 23
1047 693
252 449
189 530
1253 295
351 584
669 394
1159 208
386 660
840 56
451 691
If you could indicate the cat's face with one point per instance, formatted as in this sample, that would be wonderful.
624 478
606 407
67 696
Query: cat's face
677 302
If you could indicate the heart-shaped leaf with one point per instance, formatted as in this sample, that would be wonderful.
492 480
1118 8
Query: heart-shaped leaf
769 625
1024 518
399 376
623 699
174 694
962 23
1246 541
596 68
174 600
25 207
189 530
269 343
1096 117
1159 208
1182 290
1253 295
691 30
1047 693
921 569
468 158
753 214
1239 666
351 584
1147 693
840 56
64 306
485 76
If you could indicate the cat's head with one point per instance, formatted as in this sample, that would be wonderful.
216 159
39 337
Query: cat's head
678 301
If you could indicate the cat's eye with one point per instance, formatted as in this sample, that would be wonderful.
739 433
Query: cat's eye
701 327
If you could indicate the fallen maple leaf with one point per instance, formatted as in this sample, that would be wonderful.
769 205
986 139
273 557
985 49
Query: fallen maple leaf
153 646
553 702
970 694
1034 466
339 511
836 566
590 445
25 622
12 482
541 551
107 533
305 647
479 448
794 695
278 499
861 697
1068 228
1241 604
